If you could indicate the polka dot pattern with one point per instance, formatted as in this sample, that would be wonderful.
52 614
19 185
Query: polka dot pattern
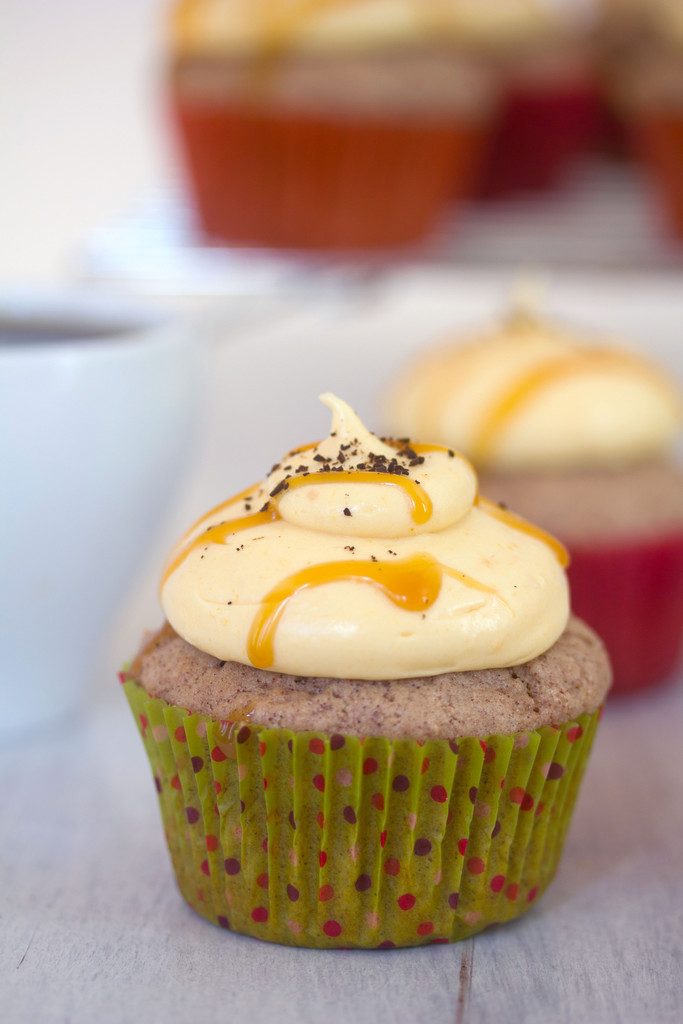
423 828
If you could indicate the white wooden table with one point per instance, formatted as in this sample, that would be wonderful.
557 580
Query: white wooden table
91 926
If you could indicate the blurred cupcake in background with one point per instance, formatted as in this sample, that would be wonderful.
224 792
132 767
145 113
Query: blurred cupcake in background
646 79
577 435
336 124
543 53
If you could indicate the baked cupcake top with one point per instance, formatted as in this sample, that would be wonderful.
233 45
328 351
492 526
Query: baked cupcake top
530 395
367 559
239 25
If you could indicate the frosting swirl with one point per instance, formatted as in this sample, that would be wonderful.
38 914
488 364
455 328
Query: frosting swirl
362 558
529 395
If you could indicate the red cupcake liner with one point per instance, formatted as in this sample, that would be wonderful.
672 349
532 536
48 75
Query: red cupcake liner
632 595
659 142
539 135
290 180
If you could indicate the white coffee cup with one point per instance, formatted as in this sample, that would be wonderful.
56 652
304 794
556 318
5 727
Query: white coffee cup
97 409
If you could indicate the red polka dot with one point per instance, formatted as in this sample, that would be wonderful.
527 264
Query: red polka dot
217 754
574 734
322 858
527 802
244 734
426 928
293 893
533 893
462 847
262 748
264 845
320 819
453 900
205 867
144 723
512 891
439 794
489 755
475 865
217 788
332 929
387 944
555 771
516 794
211 843
180 734
539 809
425 765
497 883
223 922
262 880
337 741
259 914
316 746
483 745
473 794
391 866
377 801
265 783
406 901
319 783
325 893
383 839
175 782
349 815
369 766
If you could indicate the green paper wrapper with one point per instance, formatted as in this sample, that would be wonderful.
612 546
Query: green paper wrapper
328 840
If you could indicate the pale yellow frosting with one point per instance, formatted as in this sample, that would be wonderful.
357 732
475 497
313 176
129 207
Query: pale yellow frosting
473 591
530 395
238 25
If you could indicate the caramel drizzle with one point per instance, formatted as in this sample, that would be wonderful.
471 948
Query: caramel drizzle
412 583
524 526
527 386
420 507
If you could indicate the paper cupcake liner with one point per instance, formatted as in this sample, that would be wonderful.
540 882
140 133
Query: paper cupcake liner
632 596
659 141
312 839
292 180
539 136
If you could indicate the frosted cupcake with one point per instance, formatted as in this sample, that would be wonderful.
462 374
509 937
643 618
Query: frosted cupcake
339 125
577 435
369 712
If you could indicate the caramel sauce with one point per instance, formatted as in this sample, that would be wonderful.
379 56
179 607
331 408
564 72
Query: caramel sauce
524 526
412 583
420 502
530 384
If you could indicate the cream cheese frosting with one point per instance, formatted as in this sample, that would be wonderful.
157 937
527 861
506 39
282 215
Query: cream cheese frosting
367 559
530 395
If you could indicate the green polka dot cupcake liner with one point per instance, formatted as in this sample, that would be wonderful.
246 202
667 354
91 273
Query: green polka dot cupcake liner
330 840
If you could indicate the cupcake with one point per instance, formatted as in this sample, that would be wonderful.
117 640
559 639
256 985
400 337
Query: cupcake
575 434
333 125
368 712
647 83
551 111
